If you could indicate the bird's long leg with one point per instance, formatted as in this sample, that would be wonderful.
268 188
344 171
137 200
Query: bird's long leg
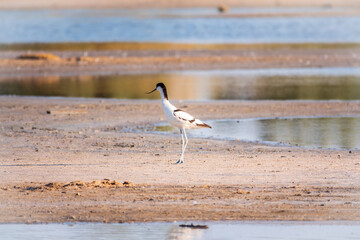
182 147
186 142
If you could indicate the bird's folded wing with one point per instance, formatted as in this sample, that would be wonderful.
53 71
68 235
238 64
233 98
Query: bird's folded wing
183 116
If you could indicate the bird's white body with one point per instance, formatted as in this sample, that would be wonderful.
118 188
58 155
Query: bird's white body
178 118
168 111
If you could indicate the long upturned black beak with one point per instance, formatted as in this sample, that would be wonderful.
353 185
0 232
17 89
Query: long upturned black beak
151 91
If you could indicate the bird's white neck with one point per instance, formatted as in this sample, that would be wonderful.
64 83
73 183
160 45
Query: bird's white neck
165 102
163 97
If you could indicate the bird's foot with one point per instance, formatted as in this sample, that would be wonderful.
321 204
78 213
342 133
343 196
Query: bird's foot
180 161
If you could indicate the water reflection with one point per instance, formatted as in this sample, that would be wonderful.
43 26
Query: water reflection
322 84
179 233
331 132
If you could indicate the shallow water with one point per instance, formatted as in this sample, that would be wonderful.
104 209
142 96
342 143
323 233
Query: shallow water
268 84
174 25
327 132
216 230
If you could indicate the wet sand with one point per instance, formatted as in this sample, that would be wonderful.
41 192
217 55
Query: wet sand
47 143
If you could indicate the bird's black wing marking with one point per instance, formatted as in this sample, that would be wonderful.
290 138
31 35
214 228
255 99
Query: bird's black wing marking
184 116
180 114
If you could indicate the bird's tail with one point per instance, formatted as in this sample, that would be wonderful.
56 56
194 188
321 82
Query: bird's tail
203 125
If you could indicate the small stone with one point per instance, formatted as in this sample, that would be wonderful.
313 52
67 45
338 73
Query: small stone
39 56
96 183
115 182
80 183
223 8
127 184
239 191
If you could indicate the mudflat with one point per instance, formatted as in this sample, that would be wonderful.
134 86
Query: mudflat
69 159
98 160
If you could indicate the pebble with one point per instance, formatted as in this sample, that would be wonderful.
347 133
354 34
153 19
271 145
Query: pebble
223 8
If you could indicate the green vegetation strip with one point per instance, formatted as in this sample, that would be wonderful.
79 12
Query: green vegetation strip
104 46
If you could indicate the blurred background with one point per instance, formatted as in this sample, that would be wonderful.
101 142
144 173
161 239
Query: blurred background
202 50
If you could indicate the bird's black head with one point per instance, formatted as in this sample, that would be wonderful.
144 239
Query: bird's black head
161 85
158 87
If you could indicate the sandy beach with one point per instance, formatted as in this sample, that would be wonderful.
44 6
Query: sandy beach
99 160
53 165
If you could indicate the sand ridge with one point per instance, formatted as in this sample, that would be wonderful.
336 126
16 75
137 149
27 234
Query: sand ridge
131 62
